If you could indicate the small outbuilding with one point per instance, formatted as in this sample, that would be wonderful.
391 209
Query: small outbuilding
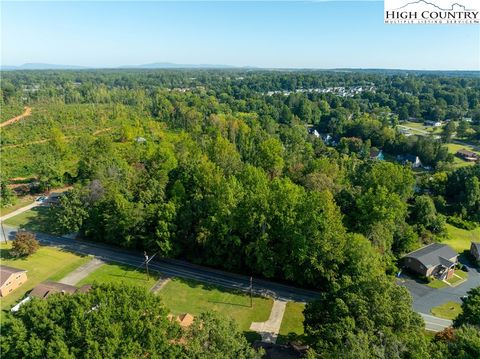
10 279
475 251
436 259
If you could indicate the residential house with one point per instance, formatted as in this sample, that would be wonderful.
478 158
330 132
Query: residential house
314 132
467 155
414 161
432 123
475 251
47 288
327 139
376 154
436 259
10 279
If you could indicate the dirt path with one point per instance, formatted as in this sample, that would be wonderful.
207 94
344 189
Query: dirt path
49 139
102 131
26 113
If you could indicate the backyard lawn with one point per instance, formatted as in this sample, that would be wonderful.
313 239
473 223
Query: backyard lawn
118 273
187 296
460 239
449 310
46 263
35 219
292 323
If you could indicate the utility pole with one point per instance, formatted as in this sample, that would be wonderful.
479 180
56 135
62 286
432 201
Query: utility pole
3 232
146 263
251 289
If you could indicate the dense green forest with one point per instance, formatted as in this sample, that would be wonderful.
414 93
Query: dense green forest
234 169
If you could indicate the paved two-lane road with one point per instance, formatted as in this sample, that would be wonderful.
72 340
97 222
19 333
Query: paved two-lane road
435 324
175 268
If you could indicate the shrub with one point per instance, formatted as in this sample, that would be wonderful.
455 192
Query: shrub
461 223
24 244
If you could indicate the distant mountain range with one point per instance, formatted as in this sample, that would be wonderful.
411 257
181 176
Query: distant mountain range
156 65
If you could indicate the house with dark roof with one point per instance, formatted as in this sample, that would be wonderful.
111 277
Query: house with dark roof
475 251
467 155
47 288
10 279
436 259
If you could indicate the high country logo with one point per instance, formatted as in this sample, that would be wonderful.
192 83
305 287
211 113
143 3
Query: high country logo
431 12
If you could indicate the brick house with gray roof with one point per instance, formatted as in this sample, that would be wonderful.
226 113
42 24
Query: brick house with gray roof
436 259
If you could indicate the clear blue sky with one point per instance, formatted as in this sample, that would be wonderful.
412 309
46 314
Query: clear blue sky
317 34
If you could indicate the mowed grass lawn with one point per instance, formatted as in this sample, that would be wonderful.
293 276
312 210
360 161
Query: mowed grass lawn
117 273
21 202
46 264
35 219
292 323
460 239
458 162
187 296
449 310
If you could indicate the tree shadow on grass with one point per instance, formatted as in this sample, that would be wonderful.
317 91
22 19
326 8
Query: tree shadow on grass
227 303
6 253
140 277
39 223
206 286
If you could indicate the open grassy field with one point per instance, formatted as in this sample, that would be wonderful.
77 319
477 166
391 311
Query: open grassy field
460 239
46 263
421 128
292 323
187 296
118 273
449 310
35 219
